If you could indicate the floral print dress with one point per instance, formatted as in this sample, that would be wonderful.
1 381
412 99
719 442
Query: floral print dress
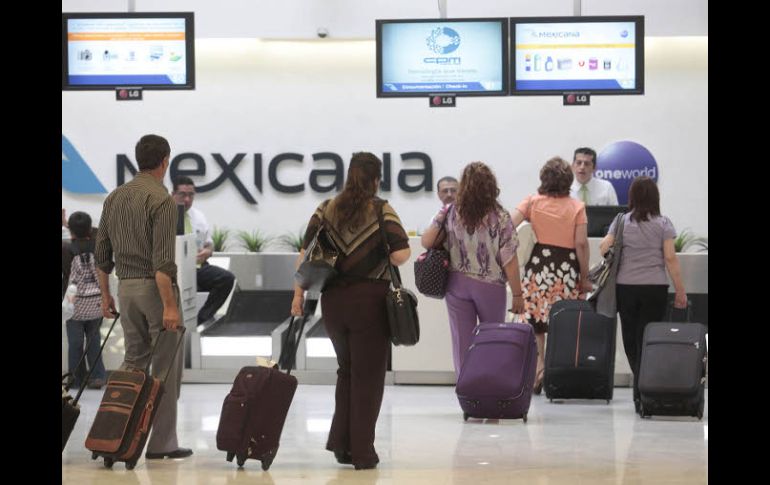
551 274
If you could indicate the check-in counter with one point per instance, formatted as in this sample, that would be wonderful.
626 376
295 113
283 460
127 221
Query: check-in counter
430 361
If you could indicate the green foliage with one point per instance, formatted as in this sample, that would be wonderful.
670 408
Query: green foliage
254 241
220 238
293 241
687 239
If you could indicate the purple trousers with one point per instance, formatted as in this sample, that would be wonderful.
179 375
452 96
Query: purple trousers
469 301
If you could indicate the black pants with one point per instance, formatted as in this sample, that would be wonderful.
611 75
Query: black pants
356 321
218 282
639 305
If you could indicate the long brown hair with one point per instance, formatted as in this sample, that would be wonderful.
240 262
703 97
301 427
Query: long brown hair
360 188
477 195
643 199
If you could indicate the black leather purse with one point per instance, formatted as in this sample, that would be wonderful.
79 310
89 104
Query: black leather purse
431 269
400 303
318 267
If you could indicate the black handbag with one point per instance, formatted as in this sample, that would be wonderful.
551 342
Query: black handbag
400 303
431 269
317 268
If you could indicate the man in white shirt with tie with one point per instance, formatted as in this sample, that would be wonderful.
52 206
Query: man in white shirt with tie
586 187
217 281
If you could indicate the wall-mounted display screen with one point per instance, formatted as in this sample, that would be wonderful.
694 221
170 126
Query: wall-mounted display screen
152 50
600 55
463 56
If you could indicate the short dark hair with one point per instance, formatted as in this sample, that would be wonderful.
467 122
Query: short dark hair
445 179
555 178
150 151
182 180
585 151
80 225
643 199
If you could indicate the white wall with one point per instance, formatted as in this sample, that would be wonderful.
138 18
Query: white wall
257 96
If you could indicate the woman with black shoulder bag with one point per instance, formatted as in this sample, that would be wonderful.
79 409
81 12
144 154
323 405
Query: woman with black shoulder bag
353 304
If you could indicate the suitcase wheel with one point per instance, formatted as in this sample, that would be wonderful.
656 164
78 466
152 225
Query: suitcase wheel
525 417
108 462
267 458
130 465
240 461
465 416
230 456
94 456
608 401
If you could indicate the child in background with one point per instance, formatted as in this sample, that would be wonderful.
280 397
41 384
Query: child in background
87 318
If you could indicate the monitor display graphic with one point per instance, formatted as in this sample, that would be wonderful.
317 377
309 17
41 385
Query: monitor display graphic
599 55
150 50
462 56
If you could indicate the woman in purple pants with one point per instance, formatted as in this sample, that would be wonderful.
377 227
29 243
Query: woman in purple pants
482 242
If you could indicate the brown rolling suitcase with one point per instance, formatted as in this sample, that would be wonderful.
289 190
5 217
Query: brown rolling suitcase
70 411
126 414
255 410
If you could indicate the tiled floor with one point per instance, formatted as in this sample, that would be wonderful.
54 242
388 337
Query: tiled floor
422 439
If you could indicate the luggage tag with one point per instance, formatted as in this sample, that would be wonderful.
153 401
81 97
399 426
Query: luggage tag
265 362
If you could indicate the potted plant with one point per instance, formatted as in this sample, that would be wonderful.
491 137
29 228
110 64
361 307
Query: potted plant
254 241
687 239
220 238
293 241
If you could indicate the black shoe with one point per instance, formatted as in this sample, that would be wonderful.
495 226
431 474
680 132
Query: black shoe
343 457
178 453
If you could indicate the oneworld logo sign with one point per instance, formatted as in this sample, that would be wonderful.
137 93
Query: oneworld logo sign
623 161
76 175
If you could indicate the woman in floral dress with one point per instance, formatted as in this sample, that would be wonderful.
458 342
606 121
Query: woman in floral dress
558 267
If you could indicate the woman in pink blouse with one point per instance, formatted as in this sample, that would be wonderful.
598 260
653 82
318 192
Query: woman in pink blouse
482 242
558 267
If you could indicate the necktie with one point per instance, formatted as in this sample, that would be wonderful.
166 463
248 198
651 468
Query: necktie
583 193
187 224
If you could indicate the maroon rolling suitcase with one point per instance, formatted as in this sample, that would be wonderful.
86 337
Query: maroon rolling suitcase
254 412
498 373
126 413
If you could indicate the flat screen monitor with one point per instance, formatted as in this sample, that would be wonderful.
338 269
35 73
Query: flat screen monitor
466 57
151 50
598 55
601 216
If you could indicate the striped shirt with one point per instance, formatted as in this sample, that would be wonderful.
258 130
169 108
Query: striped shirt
362 251
138 227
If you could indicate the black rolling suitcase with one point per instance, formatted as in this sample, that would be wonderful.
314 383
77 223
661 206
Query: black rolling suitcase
672 372
580 354
255 409
127 412
70 411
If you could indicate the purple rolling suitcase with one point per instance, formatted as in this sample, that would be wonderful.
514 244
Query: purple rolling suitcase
498 372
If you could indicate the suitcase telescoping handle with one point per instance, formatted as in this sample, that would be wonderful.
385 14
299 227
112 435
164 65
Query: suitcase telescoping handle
290 344
82 359
181 331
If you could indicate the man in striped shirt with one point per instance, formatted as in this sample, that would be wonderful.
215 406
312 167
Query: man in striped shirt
137 229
